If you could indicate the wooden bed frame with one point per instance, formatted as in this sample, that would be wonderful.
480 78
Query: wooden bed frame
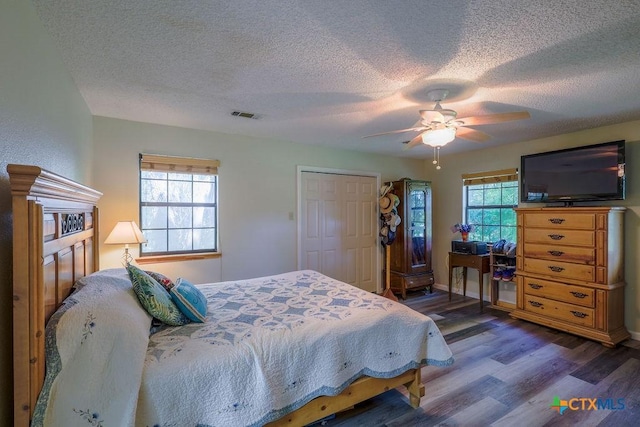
55 242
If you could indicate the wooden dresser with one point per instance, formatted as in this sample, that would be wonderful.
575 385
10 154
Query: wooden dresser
411 250
570 270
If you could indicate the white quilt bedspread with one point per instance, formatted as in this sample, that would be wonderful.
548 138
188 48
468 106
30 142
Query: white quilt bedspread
95 345
269 345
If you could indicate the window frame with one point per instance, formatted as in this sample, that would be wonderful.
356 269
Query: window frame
505 178
187 166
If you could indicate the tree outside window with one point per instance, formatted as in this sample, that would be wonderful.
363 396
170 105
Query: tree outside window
489 206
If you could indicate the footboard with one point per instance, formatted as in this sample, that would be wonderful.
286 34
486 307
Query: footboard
362 389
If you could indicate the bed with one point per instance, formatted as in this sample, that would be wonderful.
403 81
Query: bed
285 344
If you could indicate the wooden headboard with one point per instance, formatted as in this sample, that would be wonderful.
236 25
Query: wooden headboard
55 242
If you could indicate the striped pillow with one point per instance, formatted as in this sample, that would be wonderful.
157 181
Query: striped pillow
154 298
190 300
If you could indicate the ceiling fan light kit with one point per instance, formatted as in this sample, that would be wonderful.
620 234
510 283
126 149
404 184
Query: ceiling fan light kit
439 137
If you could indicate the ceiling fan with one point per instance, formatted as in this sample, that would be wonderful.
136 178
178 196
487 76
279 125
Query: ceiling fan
440 126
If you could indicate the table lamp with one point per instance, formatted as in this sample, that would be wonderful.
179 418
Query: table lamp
125 233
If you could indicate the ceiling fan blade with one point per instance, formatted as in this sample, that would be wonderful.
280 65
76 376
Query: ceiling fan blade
472 135
417 128
494 118
415 141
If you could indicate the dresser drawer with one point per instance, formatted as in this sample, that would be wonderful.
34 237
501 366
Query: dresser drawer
560 269
555 220
401 281
560 237
576 295
581 255
418 281
559 310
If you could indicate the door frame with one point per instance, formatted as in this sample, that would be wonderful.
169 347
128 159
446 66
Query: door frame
315 169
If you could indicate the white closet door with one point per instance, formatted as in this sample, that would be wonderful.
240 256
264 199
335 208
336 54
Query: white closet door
339 227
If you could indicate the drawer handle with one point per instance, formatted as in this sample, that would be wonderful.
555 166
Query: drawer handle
556 220
535 286
579 314
556 236
556 253
578 294
536 303
556 269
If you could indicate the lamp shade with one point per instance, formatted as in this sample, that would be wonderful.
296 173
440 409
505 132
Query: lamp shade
125 232
439 137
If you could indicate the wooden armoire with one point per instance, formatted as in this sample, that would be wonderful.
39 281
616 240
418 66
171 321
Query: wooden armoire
411 250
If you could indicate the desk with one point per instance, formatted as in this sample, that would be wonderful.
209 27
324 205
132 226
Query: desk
479 262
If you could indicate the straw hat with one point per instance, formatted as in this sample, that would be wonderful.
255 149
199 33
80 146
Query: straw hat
389 202
386 188
386 203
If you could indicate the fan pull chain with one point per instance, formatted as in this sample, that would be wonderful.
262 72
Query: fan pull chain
436 157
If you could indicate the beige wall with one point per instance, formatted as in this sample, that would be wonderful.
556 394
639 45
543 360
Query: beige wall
257 191
43 121
447 190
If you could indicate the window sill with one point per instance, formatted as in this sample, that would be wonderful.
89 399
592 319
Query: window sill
177 258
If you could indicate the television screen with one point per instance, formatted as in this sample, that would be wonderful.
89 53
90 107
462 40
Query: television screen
588 173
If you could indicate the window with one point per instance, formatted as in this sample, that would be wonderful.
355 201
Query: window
489 201
178 205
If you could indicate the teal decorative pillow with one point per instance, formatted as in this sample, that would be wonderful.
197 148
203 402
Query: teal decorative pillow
190 300
154 298
162 279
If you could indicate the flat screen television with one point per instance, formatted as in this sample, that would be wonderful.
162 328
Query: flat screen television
580 174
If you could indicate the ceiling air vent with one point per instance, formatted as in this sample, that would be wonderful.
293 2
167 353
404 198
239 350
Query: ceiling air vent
245 115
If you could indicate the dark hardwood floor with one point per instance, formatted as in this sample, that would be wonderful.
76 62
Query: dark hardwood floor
507 373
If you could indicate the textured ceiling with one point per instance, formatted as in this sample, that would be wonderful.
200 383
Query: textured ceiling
329 72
